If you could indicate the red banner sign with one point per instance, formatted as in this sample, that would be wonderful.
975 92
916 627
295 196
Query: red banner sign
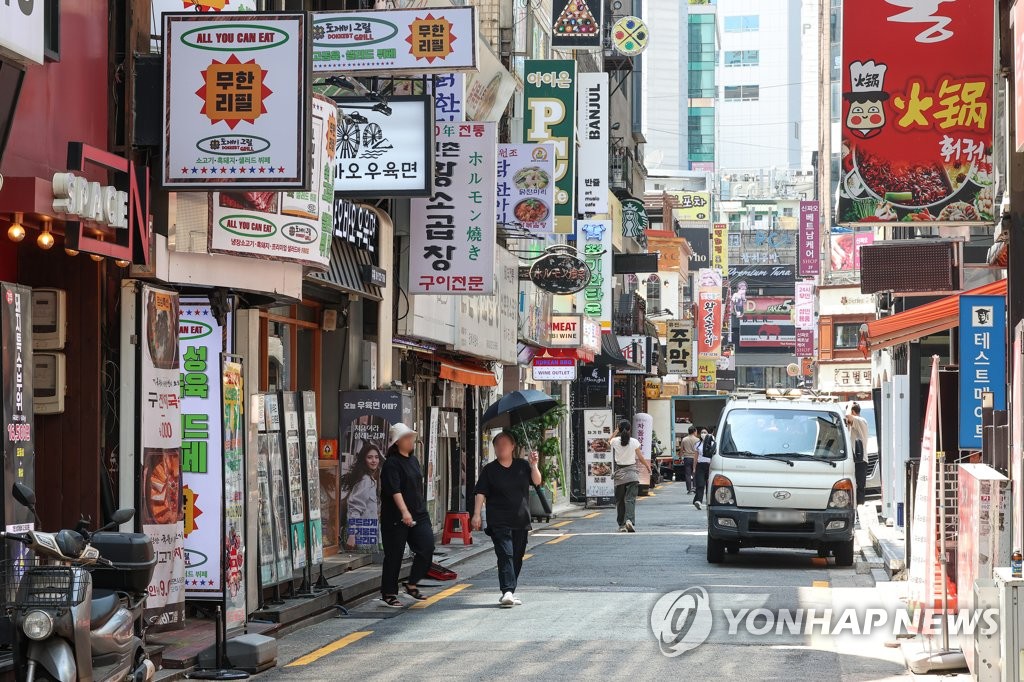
917 112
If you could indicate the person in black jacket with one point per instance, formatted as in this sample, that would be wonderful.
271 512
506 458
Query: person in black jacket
403 518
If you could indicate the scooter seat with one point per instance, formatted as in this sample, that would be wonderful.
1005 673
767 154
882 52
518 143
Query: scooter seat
104 605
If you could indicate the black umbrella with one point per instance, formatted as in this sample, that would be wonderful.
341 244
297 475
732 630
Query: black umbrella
514 409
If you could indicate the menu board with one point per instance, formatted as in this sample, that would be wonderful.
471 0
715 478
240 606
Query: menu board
310 452
294 471
597 429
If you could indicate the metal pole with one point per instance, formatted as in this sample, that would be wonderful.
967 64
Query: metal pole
940 466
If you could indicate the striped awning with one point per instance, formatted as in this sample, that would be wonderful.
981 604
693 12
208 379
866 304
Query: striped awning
345 271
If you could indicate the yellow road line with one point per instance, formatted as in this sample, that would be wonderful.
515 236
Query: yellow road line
592 516
819 583
527 556
560 524
561 538
439 596
330 648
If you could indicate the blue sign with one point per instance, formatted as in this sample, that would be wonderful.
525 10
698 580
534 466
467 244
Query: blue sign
982 362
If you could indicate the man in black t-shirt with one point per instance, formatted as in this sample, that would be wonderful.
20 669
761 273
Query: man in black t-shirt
504 485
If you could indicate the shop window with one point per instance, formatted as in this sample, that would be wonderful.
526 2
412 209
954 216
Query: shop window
653 294
51 30
742 93
290 349
847 335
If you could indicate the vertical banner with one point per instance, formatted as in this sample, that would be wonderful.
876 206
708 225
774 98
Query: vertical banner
294 471
19 432
924 527
311 461
679 347
549 94
643 431
594 239
279 508
435 420
709 326
982 362
1017 20
233 398
449 97
526 188
200 340
159 431
592 174
804 343
803 318
453 232
597 429
720 248
810 239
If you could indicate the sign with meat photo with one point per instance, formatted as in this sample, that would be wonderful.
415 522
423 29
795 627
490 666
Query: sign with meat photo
917 113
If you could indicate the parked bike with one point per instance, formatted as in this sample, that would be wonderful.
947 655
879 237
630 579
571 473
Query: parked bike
76 600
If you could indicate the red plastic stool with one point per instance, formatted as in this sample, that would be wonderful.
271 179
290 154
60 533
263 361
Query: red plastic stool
450 520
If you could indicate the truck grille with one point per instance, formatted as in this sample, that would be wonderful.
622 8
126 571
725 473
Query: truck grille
756 527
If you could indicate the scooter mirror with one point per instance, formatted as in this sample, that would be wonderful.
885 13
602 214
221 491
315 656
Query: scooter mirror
122 516
25 496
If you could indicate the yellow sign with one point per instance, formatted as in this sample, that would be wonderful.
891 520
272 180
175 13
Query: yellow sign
691 206
233 91
707 373
652 389
720 248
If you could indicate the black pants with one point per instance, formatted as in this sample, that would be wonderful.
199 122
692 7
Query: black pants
685 473
701 480
394 537
509 547
861 470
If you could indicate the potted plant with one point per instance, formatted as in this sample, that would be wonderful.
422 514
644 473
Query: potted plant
536 434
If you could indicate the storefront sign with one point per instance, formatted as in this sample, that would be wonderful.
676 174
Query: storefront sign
592 167
762 275
202 471
635 221
550 98
449 97
233 398
19 464
845 301
636 348
274 548
767 332
982 362
22 30
374 276
356 224
630 36
560 273
380 154
810 239
489 90
845 249
699 240
691 206
709 327
591 342
804 342
594 238
477 329
283 226
436 40
247 77
77 198
554 369
803 310
669 249
576 23
918 113
453 232
566 330
535 313
854 377
526 188
679 347
597 429
720 248
160 466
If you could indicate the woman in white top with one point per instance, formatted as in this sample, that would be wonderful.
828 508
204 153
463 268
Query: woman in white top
626 455
360 498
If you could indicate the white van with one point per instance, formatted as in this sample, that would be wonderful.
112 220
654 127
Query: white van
783 476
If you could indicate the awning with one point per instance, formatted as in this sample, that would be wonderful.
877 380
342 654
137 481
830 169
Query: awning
345 272
930 318
611 355
574 353
467 373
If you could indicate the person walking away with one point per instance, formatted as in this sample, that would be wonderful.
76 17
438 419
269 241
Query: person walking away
859 433
627 456
504 486
705 451
403 517
688 454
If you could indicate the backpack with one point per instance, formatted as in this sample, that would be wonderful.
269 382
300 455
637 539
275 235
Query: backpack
709 447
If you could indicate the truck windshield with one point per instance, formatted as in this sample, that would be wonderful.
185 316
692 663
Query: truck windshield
790 433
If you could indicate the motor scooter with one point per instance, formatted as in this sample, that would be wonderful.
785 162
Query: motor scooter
76 600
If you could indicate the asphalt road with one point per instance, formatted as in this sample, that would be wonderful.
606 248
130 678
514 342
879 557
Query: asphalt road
588 593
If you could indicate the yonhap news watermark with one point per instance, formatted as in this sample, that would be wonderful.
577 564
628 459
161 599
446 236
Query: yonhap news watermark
683 620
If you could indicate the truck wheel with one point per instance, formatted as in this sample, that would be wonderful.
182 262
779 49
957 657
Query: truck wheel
844 553
716 551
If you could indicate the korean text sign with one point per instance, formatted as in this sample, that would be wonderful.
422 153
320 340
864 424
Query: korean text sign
917 112
592 171
679 347
594 239
233 119
720 248
526 188
709 326
810 239
550 97
453 232
982 362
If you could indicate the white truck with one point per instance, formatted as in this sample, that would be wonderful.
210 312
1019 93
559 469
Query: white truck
782 476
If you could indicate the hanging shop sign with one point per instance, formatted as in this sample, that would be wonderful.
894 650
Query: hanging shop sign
554 369
810 239
560 273
566 330
591 341
594 238
453 232
576 23
699 240
803 306
489 90
669 249
762 275
283 226
804 343
247 128
630 36
918 113
477 328
847 377
534 309
526 189
635 221
449 97
23 31
679 355
592 164
159 438
597 430
382 154
636 349
357 224
550 97
720 248
200 339
845 249
766 332
233 449
982 362
691 206
414 41
507 281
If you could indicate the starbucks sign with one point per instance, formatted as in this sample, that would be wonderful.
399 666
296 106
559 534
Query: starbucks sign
635 221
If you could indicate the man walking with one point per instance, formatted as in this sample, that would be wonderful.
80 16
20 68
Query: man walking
688 455
859 433
705 451
504 485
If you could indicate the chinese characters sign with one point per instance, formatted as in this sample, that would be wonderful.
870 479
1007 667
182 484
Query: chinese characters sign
526 188
810 239
395 41
982 362
720 248
287 226
594 239
550 97
592 173
235 93
917 112
679 347
453 232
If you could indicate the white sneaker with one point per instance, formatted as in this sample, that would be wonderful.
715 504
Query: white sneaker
516 601
622 529
507 600
629 527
